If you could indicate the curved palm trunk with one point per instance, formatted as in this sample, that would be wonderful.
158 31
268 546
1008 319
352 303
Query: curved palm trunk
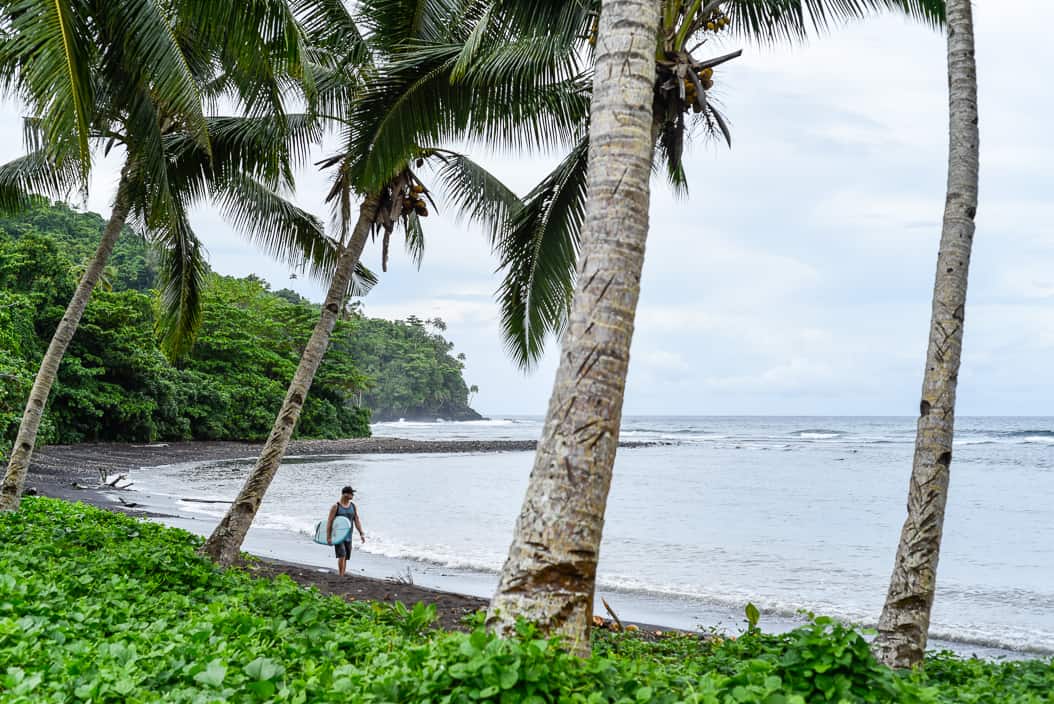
549 575
22 452
226 540
903 627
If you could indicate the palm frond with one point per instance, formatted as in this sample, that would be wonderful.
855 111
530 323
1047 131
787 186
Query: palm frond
415 239
142 45
400 109
393 24
46 58
336 88
774 21
267 148
261 45
282 230
669 153
36 174
181 279
362 281
154 201
330 28
538 253
570 19
475 193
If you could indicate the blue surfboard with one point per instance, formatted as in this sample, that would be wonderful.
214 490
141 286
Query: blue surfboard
341 531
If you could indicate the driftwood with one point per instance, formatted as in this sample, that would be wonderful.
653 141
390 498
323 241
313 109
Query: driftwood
106 483
113 483
127 504
611 611
205 501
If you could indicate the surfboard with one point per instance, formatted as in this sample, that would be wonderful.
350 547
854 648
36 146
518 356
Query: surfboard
341 531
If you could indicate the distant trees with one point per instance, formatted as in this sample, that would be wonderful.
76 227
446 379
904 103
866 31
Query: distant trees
115 383
415 373
904 625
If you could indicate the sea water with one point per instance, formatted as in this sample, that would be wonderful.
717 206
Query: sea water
791 514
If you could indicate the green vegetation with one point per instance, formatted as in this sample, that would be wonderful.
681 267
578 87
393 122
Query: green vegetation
115 384
100 607
415 373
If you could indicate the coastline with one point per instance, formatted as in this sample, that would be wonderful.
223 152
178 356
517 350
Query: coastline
71 473
58 460
57 470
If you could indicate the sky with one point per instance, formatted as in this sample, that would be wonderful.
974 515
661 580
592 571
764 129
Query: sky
796 277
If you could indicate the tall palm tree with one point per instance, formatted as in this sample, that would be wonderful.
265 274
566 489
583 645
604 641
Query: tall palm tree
391 127
139 77
555 552
904 624
549 576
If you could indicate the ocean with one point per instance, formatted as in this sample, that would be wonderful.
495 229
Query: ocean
792 514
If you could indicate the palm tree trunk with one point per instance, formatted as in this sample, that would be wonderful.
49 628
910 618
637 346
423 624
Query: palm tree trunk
905 620
226 540
550 573
22 452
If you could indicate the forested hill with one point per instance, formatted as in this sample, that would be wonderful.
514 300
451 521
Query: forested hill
116 385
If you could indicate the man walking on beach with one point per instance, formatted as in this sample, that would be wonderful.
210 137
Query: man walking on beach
345 507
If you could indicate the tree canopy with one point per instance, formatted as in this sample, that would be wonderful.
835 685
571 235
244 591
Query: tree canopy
115 384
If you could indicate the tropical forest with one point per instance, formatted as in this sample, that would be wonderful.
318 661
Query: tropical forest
117 385
170 433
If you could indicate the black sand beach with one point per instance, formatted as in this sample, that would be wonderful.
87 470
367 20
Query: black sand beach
71 472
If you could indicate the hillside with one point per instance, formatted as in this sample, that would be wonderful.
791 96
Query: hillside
116 385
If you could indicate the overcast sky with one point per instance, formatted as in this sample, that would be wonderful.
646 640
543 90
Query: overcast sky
796 278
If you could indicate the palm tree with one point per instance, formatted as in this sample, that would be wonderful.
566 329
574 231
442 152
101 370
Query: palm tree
130 75
549 576
904 624
389 127
555 552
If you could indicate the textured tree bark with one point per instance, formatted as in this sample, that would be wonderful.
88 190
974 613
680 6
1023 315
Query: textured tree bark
22 452
905 620
550 572
224 545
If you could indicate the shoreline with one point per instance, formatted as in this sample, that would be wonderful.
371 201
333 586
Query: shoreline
72 473
114 458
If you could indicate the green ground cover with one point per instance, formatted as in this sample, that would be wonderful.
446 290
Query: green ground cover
100 607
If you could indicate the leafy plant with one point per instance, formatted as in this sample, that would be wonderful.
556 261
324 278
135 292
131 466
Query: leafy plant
102 607
753 616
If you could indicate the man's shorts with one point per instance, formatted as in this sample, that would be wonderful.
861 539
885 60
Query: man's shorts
343 549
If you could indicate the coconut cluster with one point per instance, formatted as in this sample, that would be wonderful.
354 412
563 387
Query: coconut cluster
414 200
717 21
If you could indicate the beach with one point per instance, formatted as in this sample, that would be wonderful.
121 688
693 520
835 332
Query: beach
705 515
73 473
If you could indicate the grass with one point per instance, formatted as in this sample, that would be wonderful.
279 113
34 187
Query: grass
100 607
